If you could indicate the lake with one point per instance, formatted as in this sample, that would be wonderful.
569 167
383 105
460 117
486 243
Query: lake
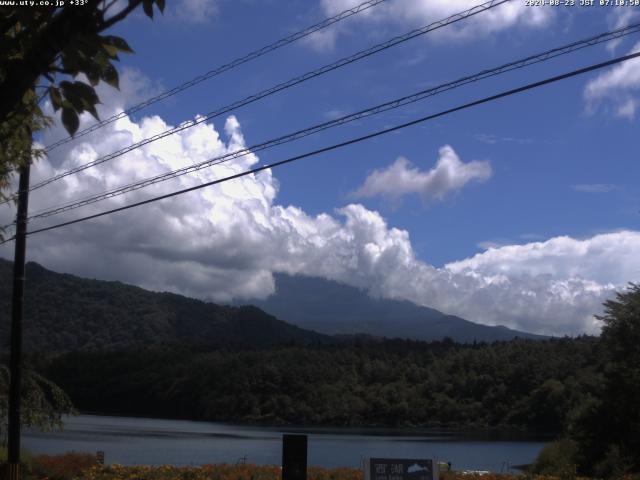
145 441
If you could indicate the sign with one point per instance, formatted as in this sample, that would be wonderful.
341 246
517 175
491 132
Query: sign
400 469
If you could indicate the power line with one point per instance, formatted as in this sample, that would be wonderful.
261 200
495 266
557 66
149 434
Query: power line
221 69
530 60
352 141
282 86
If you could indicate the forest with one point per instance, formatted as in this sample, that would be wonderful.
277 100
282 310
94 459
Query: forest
584 390
521 384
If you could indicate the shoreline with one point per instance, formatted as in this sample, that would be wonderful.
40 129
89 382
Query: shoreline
480 433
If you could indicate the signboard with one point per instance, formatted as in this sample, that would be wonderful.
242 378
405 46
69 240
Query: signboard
400 469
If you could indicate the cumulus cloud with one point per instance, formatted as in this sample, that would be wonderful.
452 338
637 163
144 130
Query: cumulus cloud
449 174
225 242
561 258
423 12
616 88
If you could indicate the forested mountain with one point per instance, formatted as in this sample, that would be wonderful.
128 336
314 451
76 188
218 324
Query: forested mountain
119 349
525 384
64 312
334 308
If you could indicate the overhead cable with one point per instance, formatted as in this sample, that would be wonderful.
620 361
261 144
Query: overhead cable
352 141
396 103
281 86
221 69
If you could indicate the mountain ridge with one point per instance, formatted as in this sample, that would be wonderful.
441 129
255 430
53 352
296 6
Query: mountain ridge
72 313
335 308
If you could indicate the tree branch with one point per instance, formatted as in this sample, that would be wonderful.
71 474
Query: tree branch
107 7
120 15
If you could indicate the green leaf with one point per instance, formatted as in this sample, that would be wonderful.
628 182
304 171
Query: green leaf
110 76
160 4
56 98
81 96
70 120
88 45
93 73
147 6
117 43
92 110
29 96
86 92
103 59
71 61
111 50
120 43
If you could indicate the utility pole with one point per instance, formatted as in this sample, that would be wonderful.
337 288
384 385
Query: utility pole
17 304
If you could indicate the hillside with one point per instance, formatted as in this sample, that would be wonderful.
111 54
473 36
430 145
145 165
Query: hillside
334 308
64 312
522 384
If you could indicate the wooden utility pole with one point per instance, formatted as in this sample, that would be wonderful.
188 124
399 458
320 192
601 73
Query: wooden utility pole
17 304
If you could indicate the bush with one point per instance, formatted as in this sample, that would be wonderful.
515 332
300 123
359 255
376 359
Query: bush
557 459
62 467
25 456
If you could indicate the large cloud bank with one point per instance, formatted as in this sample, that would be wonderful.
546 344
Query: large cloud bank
224 242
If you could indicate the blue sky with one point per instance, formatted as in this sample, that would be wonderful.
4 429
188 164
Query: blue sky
547 180
540 144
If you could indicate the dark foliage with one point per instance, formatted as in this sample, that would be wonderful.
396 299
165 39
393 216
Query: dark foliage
606 427
524 384
64 312
42 52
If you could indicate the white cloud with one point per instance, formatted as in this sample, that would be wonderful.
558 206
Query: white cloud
594 187
423 12
620 18
195 11
225 242
487 138
449 174
627 108
487 244
135 87
616 87
561 276
323 40
562 258
491 139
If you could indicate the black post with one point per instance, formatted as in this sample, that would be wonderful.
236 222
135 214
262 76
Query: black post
294 457
17 303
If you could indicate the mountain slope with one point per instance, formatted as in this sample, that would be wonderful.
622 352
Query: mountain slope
65 312
334 308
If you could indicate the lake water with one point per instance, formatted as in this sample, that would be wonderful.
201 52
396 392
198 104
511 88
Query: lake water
137 441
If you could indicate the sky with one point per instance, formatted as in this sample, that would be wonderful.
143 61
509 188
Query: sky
523 212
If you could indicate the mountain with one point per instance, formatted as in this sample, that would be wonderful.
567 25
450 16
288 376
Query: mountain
334 308
64 312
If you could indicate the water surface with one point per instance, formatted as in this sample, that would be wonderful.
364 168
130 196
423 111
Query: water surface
146 441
